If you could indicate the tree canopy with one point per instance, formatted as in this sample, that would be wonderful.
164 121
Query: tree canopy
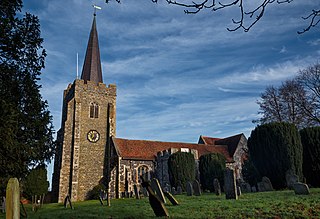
296 101
274 149
182 168
25 121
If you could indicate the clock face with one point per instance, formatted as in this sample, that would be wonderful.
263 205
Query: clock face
93 136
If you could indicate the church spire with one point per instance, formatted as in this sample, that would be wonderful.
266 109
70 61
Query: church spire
91 70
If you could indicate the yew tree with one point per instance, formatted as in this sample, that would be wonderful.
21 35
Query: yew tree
274 149
25 121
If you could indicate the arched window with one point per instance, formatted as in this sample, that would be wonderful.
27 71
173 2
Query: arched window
94 110
143 171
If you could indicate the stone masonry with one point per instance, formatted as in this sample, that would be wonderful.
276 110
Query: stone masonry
79 163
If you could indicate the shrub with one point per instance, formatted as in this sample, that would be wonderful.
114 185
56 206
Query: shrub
275 148
250 173
211 166
36 183
310 138
182 168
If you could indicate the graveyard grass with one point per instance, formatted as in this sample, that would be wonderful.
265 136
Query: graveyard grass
283 204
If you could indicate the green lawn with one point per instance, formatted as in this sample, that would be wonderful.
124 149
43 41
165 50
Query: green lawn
283 204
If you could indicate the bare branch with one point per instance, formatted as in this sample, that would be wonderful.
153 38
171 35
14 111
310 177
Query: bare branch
314 17
247 19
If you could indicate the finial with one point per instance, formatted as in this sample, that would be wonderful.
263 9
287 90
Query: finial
95 9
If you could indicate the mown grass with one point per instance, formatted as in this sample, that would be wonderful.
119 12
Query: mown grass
278 204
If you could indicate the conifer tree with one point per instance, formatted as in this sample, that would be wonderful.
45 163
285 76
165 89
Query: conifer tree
182 169
310 138
274 149
211 166
25 121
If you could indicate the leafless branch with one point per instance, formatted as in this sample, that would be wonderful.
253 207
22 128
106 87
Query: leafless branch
247 18
314 18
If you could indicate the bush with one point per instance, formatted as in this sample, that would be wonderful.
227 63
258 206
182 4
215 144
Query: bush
275 148
211 166
182 168
310 138
250 173
36 182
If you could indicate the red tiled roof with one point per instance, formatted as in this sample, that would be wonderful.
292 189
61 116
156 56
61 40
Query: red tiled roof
232 142
209 140
147 150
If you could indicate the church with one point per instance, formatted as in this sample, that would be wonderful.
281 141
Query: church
88 151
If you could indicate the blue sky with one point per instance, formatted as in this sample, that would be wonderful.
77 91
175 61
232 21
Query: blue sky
178 76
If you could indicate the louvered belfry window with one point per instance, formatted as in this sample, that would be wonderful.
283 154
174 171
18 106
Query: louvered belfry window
94 110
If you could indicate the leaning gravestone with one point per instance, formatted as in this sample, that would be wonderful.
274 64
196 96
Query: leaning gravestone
189 189
301 189
216 186
196 188
260 187
230 184
136 191
291 179
179 190
157 205
13 199
171 198
157 189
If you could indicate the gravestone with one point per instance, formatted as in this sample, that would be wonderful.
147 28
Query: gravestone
157 189
301 189
179 190
145 192
136 191
167 188
260 187
174 192
156 204
230 184
238 190
196 188
3 204
253 189
245 187
171 198
291 179
13 199
189 189
267 184
67 201
216 186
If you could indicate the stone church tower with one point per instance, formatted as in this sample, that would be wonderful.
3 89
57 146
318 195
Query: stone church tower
88 117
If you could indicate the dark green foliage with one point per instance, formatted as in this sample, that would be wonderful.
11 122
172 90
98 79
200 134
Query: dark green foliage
25 122
275 148
211 166
95 192
182 168
250 173
310 138
36 182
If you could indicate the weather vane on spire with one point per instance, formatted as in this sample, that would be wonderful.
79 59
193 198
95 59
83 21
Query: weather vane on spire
95 9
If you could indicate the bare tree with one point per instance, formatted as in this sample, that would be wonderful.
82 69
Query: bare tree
284 104
271 107
309 78
249 15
